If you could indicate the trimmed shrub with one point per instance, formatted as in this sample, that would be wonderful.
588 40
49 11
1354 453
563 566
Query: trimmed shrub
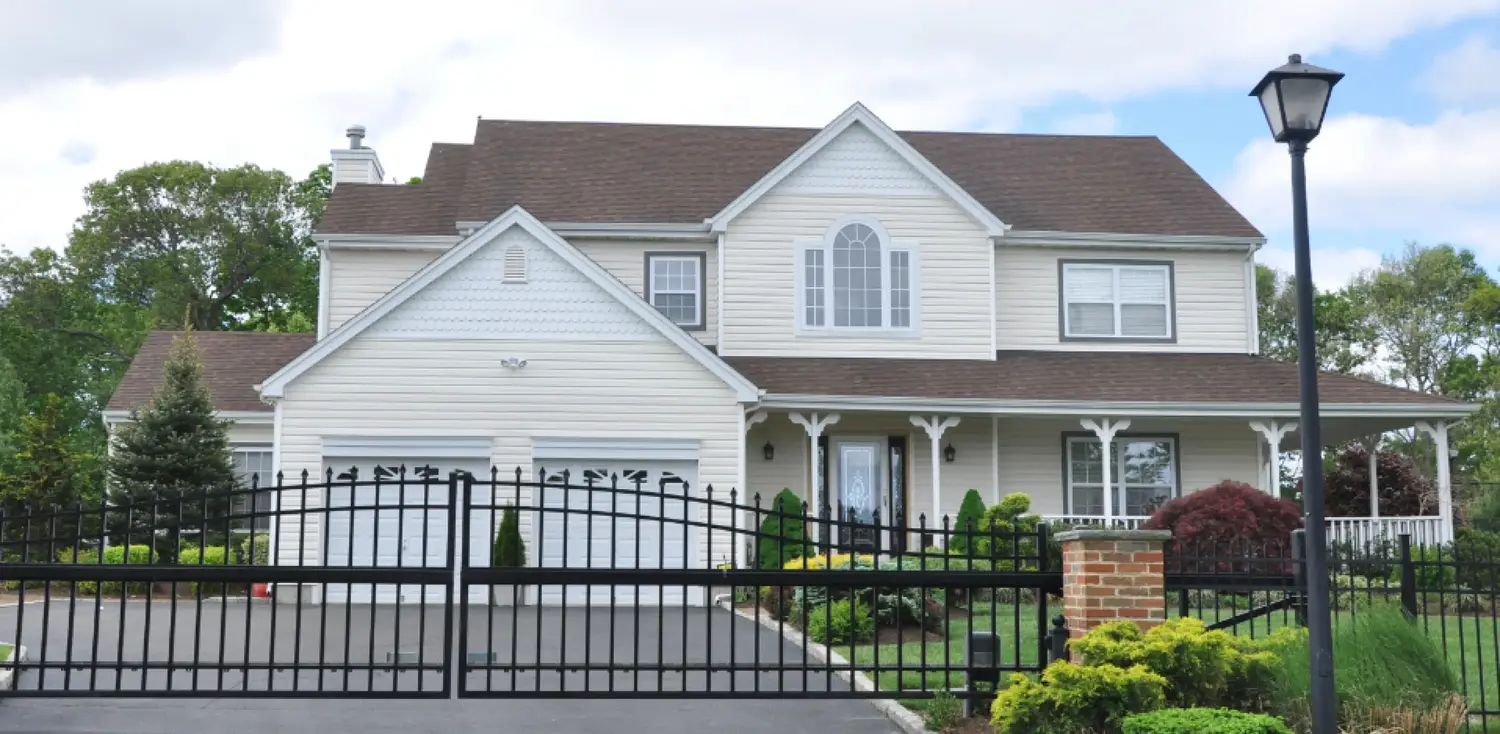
510 547
1475 549
840 623
1434 569
1404 490
1202 667
1073 698
1231 514
967 527
1373 560
254 549
782 533
1203 721
214 555
139 555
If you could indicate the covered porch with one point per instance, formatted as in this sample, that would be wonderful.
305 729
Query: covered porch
906 459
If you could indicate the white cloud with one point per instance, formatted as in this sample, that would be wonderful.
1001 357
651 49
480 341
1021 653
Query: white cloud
1088 123
1465 74
419 73
1332 268
1440 180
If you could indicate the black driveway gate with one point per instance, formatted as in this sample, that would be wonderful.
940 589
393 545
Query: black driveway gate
637 584
645 592
93 599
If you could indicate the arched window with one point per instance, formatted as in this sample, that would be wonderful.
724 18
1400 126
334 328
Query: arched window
857 278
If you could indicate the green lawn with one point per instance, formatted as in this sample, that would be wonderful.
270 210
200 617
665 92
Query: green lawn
1471 645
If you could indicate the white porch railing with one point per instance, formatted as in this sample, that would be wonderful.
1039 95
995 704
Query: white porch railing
1357 531
1119 522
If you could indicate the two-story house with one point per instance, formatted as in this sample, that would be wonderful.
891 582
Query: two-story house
878 320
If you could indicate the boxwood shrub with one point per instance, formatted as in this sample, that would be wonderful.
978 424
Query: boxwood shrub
1203 721
836 624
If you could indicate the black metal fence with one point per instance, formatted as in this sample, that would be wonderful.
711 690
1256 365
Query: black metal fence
1449 591
634 585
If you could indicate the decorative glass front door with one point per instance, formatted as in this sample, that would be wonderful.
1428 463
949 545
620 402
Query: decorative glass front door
859 492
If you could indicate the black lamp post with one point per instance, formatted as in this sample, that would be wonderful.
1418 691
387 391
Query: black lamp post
1295 97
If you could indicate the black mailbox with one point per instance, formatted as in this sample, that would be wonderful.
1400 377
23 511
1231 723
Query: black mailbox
983 659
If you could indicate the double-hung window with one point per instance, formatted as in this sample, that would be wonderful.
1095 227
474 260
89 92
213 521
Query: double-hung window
1143 470
857 279
674 285
1117 301
252 466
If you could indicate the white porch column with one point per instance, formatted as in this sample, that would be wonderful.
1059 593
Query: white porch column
741 548
814 424
1273 432
935 426
1372 447
1439 433
1106 429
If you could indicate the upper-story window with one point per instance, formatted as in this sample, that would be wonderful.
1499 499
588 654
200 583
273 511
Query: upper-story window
1124 300
674 285
857 279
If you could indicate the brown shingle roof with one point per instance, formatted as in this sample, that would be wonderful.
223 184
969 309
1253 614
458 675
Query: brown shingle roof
233 363
632 173
1071 376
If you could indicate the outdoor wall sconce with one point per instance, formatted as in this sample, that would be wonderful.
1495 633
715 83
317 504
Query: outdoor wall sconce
768 451
950 453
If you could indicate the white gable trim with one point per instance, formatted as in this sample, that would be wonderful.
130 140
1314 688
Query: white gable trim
275 385
862 115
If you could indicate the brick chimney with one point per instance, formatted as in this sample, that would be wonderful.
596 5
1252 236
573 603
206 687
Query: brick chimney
357 163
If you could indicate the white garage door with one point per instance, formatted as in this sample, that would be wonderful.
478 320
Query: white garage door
658 538
385 528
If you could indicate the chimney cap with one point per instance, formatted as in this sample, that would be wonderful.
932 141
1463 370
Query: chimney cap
356 135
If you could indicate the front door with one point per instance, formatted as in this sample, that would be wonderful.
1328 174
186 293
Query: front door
859 473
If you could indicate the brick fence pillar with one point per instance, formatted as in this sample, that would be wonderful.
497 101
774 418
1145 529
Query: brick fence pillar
1113 575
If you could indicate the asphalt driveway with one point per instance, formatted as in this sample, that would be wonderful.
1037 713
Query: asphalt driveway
260 648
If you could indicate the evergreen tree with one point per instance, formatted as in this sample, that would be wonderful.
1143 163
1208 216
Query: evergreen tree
782 532
46 472
970 515
171 462
510 547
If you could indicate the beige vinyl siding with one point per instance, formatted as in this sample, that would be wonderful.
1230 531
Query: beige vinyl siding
358 277
573 389
760 256
251 433
1210 307
626 260
1031 458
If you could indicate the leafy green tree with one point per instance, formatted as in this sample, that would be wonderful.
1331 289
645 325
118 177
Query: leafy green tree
12 409
970 516
228 246
171 462
47 471
1338 320
1416 312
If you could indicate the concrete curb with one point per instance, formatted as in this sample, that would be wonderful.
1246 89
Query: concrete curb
8 673
904 718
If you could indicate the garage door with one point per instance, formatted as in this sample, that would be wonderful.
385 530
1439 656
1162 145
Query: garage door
617 528
389 527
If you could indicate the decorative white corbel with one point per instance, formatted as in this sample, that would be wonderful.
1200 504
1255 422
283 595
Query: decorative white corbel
1273 432
1105 430
814 424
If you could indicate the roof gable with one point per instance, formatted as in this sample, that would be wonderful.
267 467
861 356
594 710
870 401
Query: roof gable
857 128
423 305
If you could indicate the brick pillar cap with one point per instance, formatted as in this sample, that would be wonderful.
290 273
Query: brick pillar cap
1113 534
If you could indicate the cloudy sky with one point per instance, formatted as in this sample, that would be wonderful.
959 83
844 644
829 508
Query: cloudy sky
1412 150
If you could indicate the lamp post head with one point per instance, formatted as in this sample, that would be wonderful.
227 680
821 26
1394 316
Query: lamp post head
1294 97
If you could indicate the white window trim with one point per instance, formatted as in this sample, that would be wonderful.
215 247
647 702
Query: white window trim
1115 267
698 260
1117 474
887 246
